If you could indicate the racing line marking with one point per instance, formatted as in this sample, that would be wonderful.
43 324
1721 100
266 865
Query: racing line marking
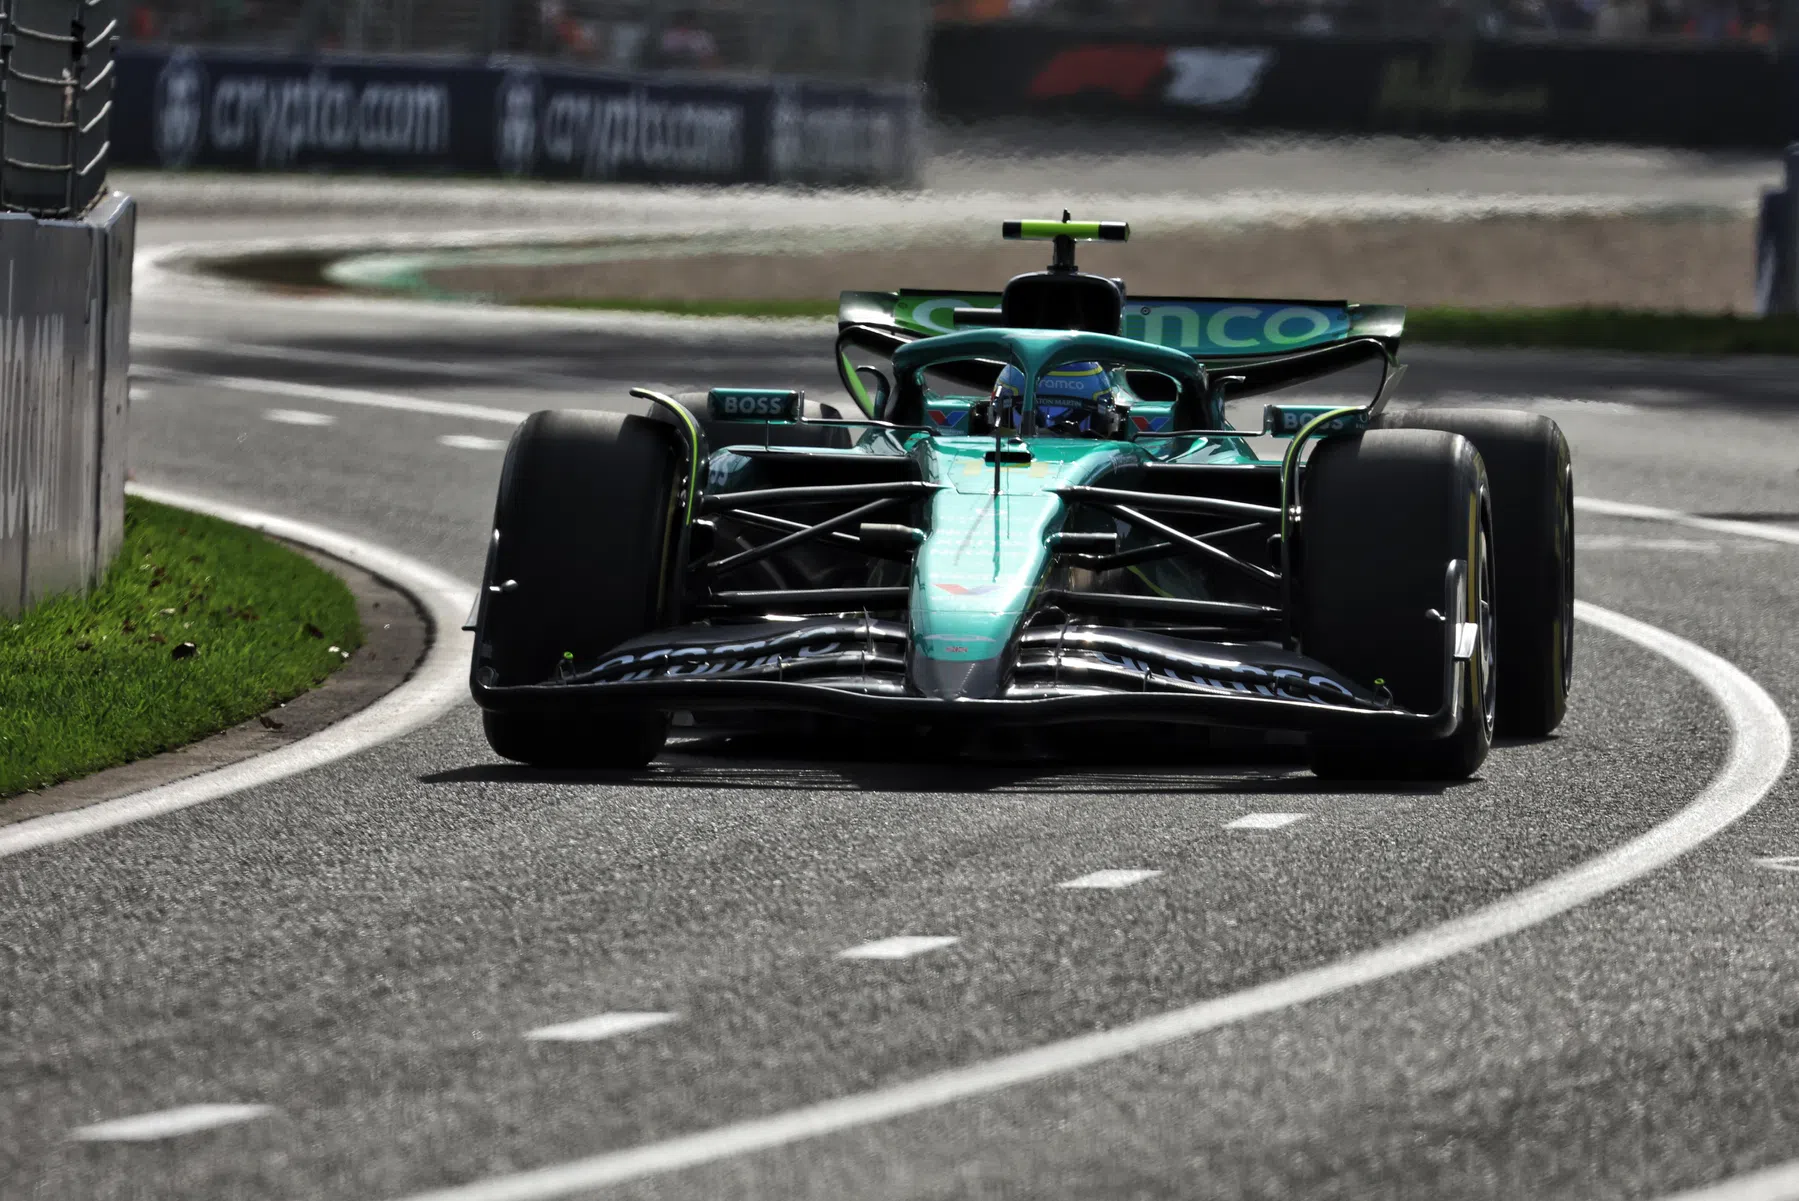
471 442
438 684
1779 863
168 1123
298 417
1264 821
903 946
510 374
600 1026
356 397
1778 1183
1742 529
1122 877
1760 744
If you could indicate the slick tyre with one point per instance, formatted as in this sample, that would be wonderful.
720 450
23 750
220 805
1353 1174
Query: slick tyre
1532 478
1383 515
584 532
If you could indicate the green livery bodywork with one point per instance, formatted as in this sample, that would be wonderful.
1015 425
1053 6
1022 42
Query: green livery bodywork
930 549
1028 509
988 549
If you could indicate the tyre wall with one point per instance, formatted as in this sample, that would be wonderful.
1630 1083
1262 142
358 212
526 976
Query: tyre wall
65 318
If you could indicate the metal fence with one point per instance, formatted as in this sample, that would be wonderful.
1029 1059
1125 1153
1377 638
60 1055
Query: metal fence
860 40
56 57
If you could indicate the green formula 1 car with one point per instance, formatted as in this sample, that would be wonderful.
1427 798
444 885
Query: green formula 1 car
1040 516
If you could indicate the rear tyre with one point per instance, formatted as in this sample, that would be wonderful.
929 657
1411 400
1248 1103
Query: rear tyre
585 525
1532 477
1384 514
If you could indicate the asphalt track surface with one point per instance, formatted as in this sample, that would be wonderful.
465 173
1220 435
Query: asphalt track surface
363 948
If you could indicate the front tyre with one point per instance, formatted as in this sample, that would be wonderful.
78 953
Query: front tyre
586 528
1532 477
1383 516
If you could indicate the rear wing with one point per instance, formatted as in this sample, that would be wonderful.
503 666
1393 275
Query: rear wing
1206 328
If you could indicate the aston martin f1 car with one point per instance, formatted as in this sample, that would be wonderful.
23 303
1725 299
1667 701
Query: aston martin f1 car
1030 512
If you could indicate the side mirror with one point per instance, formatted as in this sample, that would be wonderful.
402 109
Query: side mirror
875 386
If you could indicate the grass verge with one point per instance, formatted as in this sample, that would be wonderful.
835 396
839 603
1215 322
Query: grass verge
1605 329
698 308
199 625
1569 329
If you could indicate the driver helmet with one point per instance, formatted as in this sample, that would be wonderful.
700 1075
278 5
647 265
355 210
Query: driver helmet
1075 398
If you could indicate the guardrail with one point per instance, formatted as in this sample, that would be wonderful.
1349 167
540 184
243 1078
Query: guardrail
1657 93
235 110
65 336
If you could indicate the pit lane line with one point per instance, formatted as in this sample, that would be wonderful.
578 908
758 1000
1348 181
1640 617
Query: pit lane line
438 684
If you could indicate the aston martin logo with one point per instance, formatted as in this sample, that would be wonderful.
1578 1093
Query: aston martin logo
965 590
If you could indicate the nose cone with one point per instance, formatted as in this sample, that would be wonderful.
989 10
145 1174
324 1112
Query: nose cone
956 679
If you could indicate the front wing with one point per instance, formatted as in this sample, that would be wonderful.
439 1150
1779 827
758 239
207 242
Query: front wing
857 668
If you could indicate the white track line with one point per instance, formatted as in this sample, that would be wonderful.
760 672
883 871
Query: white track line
439 683
336 359
1742 529
298 417
1778 1183
1601 542
600 1026
168 1123
1779 863
1760 745
471 442
1118 877
357 397
460 370
902 946
1264 821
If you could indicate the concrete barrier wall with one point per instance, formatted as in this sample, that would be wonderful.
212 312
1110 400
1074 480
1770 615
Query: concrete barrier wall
65 315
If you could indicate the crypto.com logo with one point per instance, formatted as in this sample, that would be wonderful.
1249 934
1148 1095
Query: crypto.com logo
1197 76
516 105
180 113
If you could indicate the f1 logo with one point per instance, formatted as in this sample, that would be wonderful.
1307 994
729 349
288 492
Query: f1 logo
1222 77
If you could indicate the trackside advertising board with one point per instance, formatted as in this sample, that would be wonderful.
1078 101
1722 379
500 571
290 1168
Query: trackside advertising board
1660 92
258 112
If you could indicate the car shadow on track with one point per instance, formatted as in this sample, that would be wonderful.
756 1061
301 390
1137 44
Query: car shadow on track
728 764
